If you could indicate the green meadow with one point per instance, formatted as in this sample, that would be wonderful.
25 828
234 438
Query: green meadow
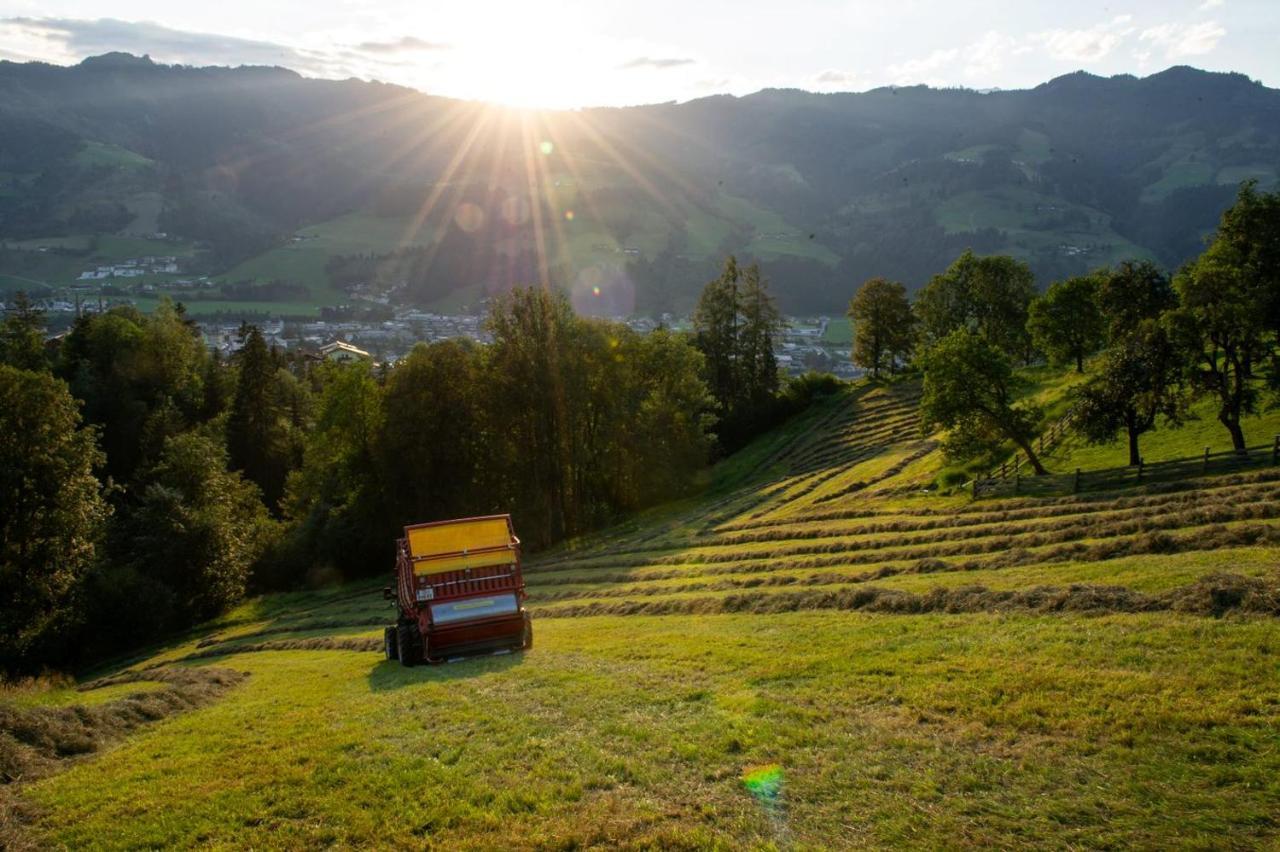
816 651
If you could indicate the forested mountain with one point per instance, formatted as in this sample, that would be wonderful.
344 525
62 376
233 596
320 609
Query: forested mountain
260 169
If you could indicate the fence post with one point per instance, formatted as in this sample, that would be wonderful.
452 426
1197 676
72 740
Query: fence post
1275 450
1042 443
1075 486
1206 460
1017 483
1140 465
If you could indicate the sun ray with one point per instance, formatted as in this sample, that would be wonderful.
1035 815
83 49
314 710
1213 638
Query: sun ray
442 182
642 181
535 206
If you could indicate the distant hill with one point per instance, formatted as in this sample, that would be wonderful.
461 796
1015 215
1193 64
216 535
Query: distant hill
283 184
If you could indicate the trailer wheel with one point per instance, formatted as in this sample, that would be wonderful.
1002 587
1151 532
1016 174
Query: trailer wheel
528 633
409 642
390 643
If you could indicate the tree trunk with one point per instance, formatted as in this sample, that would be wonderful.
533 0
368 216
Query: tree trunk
1134 457
1079 362
1237 434
1025 446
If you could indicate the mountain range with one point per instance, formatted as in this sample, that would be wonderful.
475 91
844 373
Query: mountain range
274 187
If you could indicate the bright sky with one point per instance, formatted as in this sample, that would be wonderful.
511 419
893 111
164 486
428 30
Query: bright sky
605 52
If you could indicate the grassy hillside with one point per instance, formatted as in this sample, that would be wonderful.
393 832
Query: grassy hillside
812 652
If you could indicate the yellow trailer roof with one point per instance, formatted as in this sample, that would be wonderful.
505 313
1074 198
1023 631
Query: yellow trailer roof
458 537
459 562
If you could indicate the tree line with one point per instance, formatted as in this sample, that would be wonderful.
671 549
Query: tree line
1161 341
148 483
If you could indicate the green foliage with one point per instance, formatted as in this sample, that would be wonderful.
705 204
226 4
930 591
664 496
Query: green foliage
734 325
883 325
989 296
141 378
266 417
22 335
1132 292
1066 322
432 449
564 422
182 547
1249 234
1223 321
969 390
52 515
1138 381
335 500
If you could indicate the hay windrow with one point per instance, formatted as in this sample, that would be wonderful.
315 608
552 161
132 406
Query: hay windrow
36 740
296 627
1213 595
315 643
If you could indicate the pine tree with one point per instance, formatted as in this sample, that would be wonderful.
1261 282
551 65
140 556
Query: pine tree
22 335
715 328
761 322
255 432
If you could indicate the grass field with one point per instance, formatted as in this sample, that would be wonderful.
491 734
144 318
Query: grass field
839 330
812 652
1166 444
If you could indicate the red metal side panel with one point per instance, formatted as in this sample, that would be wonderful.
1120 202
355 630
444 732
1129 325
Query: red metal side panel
472 581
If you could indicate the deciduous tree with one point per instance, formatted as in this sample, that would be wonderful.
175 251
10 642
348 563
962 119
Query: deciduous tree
986 295
1133 292
51 515
1066 322
969 390
883 325
1220 328
1138 383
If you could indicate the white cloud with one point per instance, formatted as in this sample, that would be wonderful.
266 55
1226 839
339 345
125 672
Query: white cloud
1180 40
1085 45
920 70
404 44
987 55
656 63
1210 4
833 76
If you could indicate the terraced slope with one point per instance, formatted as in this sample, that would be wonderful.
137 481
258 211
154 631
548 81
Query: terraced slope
812 653
836 520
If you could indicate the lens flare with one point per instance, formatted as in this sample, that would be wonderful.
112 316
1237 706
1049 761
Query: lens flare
603 291
515 210
764 783
568 215
469 217
546 148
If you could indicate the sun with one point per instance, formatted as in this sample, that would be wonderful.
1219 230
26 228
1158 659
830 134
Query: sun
530 59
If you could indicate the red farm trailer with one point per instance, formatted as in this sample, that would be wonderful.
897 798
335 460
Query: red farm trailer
458 590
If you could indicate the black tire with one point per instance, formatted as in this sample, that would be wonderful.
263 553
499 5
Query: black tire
409 642
391 643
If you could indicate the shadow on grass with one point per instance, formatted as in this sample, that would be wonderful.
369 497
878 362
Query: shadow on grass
389 674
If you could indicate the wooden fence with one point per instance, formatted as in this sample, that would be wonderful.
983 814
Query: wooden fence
1119 477
1047 440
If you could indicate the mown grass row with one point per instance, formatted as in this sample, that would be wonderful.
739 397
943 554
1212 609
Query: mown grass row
1209 538
945 541
1214 595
